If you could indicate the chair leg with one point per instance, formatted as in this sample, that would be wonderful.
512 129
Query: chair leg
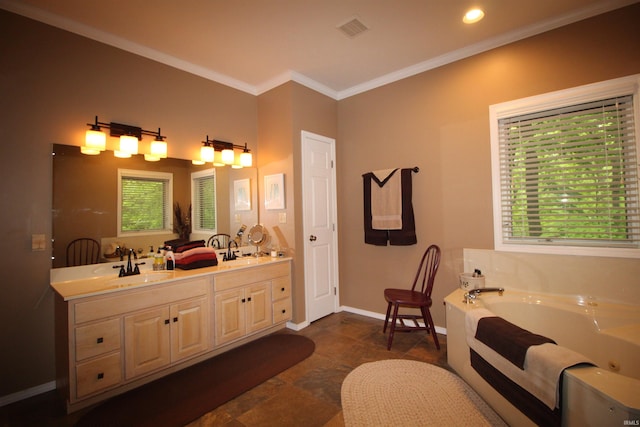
392 329
386 319
429 322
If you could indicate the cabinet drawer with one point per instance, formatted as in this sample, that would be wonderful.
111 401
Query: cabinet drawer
282 310
139 299
98 374
281 288
246 276
98 338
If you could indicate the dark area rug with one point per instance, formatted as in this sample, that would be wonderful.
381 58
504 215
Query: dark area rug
184 396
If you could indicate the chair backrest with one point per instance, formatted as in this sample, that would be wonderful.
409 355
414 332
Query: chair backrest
220 241
427 270
83 251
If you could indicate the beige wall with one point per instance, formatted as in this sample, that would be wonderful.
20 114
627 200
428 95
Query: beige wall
283 113
439 121
53 82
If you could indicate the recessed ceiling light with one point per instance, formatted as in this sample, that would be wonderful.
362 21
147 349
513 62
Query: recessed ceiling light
473 16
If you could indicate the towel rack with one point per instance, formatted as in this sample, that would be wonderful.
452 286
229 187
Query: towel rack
415 169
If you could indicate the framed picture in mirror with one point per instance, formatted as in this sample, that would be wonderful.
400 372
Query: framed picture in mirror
242 194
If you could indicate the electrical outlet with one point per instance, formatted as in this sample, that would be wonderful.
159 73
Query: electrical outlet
38 242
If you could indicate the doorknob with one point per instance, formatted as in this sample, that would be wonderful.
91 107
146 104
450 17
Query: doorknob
312 238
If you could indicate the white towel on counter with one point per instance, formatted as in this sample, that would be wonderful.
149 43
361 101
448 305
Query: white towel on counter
386 200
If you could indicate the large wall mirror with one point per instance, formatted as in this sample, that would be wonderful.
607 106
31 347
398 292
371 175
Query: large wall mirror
85 198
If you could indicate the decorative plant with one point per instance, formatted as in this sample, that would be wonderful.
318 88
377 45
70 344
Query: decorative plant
182 221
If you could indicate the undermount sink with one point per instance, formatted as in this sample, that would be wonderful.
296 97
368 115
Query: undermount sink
139 279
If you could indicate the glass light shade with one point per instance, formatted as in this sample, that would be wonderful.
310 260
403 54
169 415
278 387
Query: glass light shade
95 140
88 150
159 149
129 144
197 162
151 158
206 154
217 160
246 159
121 154
228 156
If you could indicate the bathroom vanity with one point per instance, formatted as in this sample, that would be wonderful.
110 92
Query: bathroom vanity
114 334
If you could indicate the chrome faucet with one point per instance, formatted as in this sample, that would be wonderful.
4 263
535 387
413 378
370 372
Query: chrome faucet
470 296
230 255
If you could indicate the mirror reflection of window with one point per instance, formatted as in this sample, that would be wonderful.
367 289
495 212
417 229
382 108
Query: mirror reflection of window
203 185
144 201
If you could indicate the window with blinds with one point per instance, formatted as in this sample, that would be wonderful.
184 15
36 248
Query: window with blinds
568 176
203 186
144 201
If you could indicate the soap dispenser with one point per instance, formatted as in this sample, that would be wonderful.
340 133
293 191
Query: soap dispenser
158 261
170 258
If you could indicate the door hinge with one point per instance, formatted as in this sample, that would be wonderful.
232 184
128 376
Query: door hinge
335 291
331 164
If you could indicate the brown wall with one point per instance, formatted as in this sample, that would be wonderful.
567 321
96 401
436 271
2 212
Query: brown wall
52 83
439 121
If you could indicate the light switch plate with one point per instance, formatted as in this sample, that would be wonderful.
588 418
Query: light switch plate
282 217
38 242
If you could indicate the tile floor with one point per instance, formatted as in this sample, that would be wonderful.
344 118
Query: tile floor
307 394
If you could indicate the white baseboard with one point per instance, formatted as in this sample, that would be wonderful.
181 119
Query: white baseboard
25 394
381 316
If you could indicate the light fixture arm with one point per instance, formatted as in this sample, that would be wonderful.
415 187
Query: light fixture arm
119 129
224 145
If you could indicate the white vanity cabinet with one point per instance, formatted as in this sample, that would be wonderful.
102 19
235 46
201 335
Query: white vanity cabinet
117 337
247 301
113 335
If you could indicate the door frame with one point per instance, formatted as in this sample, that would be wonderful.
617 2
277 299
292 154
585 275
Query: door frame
334 218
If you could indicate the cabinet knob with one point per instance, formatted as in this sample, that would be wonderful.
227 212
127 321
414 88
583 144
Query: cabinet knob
101 375
249 299
282 289
284 311
175 319
100 340
166 321
243 300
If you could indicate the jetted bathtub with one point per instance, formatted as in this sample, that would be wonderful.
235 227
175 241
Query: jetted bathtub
606 333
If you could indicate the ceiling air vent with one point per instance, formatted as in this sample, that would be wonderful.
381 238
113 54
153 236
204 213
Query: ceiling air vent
353 27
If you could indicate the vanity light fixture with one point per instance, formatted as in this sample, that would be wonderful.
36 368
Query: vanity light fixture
221 153
95 140
473 16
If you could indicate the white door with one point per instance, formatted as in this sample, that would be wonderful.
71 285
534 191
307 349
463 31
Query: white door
319 223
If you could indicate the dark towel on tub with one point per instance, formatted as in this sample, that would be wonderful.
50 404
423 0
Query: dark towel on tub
507 339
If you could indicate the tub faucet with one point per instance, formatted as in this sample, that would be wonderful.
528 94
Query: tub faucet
470 296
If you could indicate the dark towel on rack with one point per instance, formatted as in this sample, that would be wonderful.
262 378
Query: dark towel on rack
507 339
403 237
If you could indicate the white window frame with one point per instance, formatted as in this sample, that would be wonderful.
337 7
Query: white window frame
161 176
611 88
196 203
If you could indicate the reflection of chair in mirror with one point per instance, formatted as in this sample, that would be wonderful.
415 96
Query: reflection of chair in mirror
414 298
83 251
219 241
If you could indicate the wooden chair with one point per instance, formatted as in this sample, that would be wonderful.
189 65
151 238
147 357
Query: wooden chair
418 297
83 251
219 241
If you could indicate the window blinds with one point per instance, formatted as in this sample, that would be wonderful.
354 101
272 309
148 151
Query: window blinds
205 203
569 176
144 205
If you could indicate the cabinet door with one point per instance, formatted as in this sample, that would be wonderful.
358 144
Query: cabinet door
147 336
258 306
230 317
189 328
